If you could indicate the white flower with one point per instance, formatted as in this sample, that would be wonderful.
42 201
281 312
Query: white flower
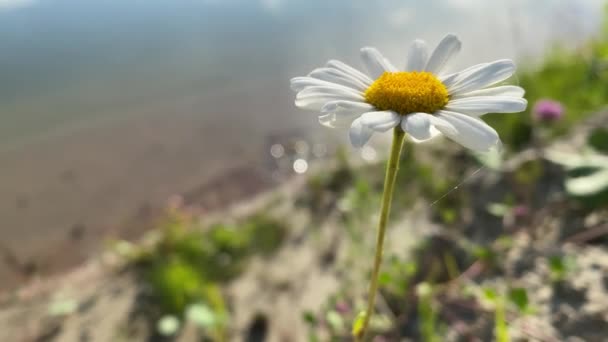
422 99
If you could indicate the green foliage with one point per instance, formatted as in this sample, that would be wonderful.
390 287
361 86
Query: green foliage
357 199
516 296
312 322
560 267
62 306
325 186
489 294
203 316
335 321
266 235
187 265
430 181
356 206
309 318
428 316
501 329
598 139
397 275
519 297
485 254
528 173
497 302
175 283
498 209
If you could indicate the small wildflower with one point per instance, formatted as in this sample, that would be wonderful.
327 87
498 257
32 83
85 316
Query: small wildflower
548 110
342 307
521 210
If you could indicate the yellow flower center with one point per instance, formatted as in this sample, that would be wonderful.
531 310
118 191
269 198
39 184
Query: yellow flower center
407 92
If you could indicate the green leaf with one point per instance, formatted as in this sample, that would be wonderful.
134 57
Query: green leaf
62 307
559 266
504 242
124 248
201 315
335 321
498 209
490 294
519 297
598 139
588 185
529 172
426 312
572 161
410 268
385 278
448 215
309 318
483 253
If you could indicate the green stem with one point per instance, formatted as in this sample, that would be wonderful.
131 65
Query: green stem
392 166
501 331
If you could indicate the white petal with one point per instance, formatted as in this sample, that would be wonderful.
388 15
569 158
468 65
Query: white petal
482 77
375 63
333 89
315 100
347 69
448 47
417 56
508 90
480 105
451 79
300 83
380 121
338 77
342 113
336 121
470 132
433 133
346 107
327 120
422 126
417 125
359 134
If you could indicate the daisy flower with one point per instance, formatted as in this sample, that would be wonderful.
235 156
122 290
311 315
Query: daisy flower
421 98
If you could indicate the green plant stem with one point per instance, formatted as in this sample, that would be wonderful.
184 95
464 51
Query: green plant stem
501 331
392 166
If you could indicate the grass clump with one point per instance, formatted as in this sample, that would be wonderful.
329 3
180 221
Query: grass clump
184 269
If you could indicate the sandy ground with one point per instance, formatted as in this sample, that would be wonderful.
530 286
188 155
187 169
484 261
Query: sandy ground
301 276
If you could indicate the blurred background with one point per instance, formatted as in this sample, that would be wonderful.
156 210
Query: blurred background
154 146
